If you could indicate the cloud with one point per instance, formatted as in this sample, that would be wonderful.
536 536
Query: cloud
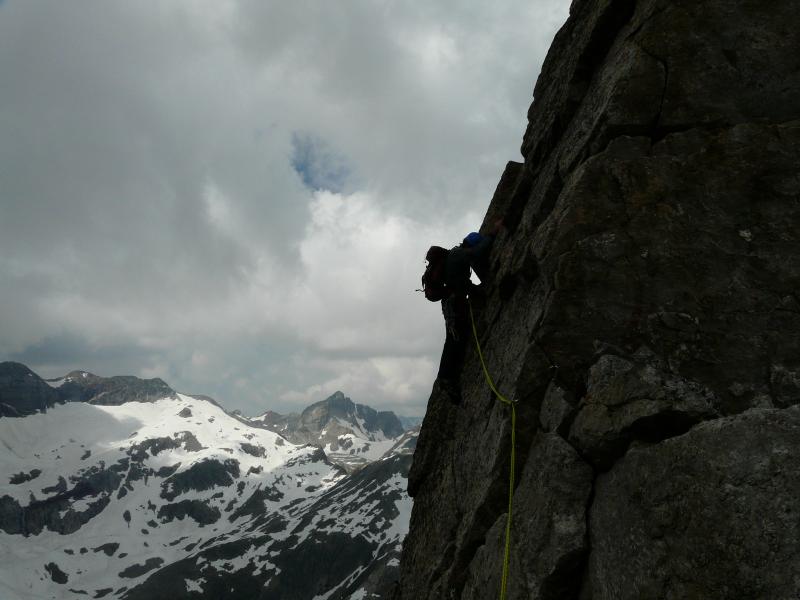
317 164
68 351
392 382
361 269
238 195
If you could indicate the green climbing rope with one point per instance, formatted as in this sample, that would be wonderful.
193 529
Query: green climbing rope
504 400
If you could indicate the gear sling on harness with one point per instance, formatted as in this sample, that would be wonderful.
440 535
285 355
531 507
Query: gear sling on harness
504 400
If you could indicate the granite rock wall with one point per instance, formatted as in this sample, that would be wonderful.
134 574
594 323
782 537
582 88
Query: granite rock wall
644 313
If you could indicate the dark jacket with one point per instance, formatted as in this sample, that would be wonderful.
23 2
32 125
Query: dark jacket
461 259
455 308
457 279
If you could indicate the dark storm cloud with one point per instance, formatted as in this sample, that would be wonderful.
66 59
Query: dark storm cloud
235 195
57 355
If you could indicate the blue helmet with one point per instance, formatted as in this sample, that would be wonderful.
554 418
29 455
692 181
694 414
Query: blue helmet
473 239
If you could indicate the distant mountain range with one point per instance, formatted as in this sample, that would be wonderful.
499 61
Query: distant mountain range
352 435
124 488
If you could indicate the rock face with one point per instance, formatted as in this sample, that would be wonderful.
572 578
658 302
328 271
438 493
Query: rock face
644 314
23 392
728 488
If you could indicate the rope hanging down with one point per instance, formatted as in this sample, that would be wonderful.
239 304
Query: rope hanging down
504 400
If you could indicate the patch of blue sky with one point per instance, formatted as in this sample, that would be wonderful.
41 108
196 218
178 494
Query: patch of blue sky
319 166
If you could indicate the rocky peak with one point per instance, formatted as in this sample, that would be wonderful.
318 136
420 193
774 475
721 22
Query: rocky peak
339 410
23 392
80 376
643 312
351 434
338 400
81 386
16 370
316 416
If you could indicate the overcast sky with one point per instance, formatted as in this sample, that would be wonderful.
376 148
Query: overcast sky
237 196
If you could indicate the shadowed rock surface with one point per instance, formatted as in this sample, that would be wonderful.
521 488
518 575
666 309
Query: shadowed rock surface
80 386
644 313
23 392
669 509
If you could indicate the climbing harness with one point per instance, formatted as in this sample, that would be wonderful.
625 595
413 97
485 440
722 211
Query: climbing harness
511 403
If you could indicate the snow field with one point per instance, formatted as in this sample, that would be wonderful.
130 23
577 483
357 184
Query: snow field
57 444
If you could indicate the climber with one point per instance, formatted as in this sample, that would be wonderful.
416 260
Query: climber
447 278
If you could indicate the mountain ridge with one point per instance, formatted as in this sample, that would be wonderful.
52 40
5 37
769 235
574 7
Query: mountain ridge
351 434
175 497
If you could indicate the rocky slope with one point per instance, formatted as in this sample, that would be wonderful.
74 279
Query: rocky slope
23 392
174 498
352 435
80 386
644 314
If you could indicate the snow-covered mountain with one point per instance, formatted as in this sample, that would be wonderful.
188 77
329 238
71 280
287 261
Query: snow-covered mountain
175 498
352 435
23 392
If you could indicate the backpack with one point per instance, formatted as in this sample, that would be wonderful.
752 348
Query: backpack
433 279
